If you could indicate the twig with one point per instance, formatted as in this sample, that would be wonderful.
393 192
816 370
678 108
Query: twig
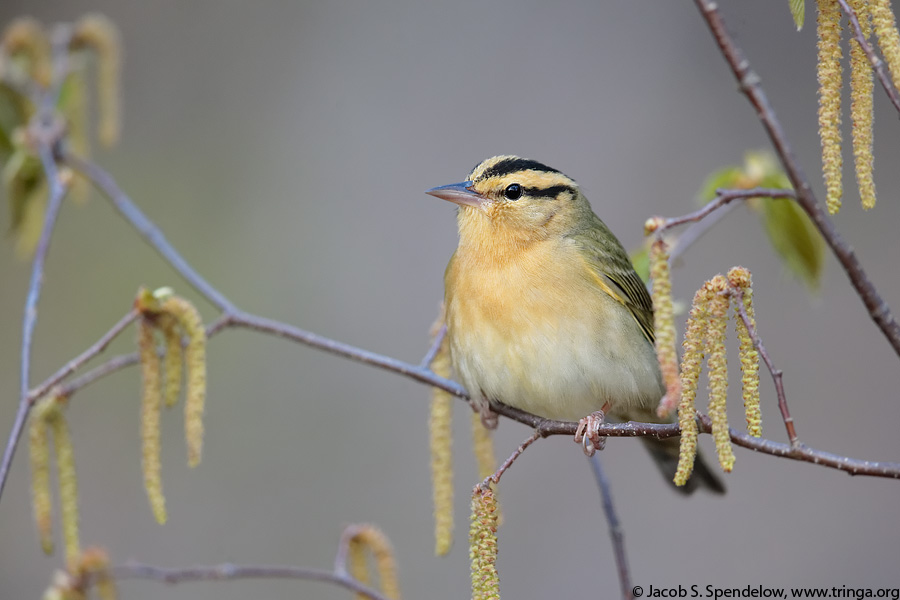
750 86
148 230
111 366
423 375
435 347
689 236
495 477
722 198
74 364
57 192
616 532
777 374
877 63
226 572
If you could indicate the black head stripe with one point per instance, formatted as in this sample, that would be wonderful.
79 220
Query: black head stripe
514 165
549 192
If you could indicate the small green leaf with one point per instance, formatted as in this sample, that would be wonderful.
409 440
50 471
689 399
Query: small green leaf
640 259
798 11
13 114
795 239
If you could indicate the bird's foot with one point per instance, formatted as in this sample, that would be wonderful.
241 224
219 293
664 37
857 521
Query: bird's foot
489 418
588 435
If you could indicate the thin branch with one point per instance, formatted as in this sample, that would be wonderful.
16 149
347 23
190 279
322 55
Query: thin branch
120 362
616 533
777 374
877 63
722 198
750 86
689 236
421 374
495 477
148 230
54 204
111 366
76 363
227 572
435 347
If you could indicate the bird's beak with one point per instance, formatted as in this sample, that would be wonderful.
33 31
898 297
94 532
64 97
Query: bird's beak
460 193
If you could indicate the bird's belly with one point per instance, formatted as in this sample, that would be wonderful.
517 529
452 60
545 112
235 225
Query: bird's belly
558 362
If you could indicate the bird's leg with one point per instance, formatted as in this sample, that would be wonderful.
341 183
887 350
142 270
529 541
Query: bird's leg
489 418
588 434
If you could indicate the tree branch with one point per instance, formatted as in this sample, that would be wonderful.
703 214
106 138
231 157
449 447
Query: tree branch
777 374
750 86
616 533
54 204
227 572
76 363
722 198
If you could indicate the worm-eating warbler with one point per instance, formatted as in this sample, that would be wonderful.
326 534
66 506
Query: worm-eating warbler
544 310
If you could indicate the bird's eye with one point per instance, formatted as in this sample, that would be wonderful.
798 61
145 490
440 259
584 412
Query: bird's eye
513 191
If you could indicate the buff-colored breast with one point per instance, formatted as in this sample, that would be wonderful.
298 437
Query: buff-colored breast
534 330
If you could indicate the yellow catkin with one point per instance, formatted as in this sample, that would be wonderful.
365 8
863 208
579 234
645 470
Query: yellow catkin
105 586
41 498
369 537
718 371
861 107
694 346
829 73
74 106
440 426
26 36
664 326
174 358
68 487
100 34
885 26
357 563
150 425
483 546
94 563
739 277
485 456
195 360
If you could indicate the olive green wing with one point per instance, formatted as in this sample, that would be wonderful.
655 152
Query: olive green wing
611 267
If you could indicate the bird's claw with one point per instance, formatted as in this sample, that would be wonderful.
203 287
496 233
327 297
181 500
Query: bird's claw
489 419
588 435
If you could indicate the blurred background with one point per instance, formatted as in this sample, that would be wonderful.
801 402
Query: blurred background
284 148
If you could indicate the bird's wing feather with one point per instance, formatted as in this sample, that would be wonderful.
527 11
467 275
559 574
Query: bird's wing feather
612 269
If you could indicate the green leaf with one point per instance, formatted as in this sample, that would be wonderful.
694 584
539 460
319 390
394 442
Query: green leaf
798 11
21 177
13 115
795 239
640 259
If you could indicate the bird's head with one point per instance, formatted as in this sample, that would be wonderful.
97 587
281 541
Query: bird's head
515 197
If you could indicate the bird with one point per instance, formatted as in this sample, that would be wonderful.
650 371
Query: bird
544 310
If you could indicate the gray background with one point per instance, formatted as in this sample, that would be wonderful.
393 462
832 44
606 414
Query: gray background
284 148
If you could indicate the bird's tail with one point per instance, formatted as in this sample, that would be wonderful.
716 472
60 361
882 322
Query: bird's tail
665 455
